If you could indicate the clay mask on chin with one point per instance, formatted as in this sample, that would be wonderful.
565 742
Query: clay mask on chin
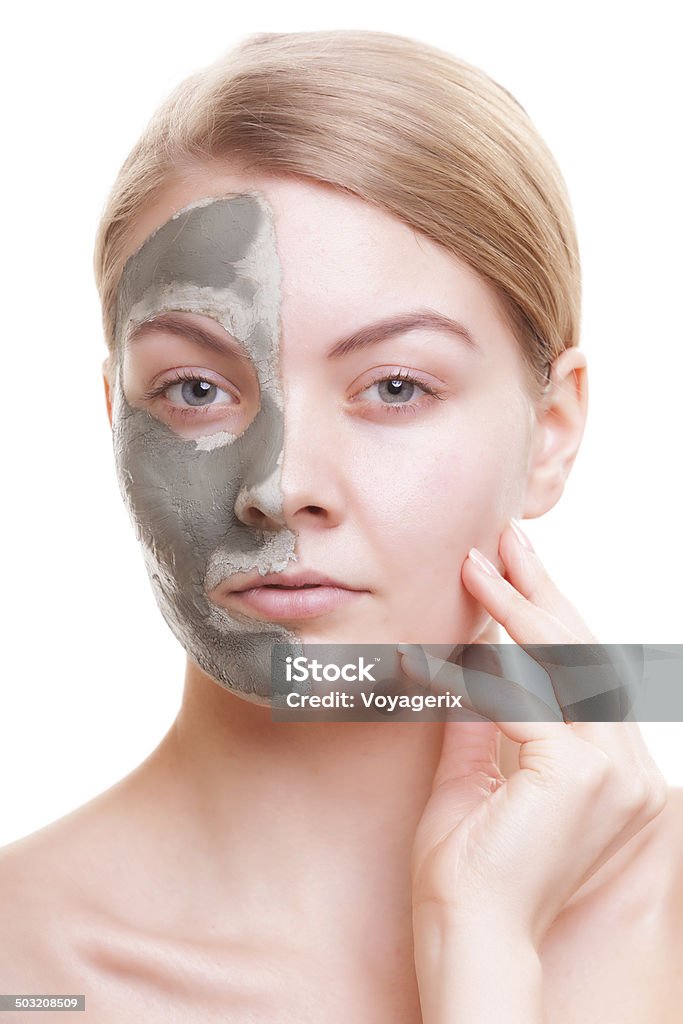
217 258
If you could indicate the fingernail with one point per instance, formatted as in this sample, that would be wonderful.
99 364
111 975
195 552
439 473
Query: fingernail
483 563
416 667
410 649
418 664
521 536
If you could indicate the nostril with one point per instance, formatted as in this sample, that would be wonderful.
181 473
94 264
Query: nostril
254 516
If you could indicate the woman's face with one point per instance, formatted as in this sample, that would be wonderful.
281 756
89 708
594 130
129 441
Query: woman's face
294 393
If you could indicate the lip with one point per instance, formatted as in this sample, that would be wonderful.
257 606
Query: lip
283 579
297 603
288 595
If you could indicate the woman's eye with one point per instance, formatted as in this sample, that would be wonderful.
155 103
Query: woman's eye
196 392
188 390
400 389
395 389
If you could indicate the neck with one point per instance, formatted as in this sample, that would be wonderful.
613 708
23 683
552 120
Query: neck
330 807
352 792
297 836
343 795
308 822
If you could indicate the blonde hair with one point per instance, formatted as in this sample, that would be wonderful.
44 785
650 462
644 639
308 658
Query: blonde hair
429 138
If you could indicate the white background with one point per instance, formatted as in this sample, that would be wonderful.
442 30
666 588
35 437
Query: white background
92 677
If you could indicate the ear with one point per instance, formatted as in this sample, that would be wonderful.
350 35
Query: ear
107 386
559 423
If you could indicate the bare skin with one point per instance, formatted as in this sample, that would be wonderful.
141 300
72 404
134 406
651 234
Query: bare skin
502 864
170 895
257 871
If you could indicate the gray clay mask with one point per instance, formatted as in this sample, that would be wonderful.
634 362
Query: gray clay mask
218 258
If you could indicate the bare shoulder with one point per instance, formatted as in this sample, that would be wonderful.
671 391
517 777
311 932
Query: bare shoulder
79 915
40 909
52 884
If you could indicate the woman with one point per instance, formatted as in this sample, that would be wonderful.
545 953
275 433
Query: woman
340 289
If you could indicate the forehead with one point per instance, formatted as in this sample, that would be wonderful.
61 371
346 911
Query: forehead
204 245
312 220
337 253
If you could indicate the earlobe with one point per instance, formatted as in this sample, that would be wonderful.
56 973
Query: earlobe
107 388
559 425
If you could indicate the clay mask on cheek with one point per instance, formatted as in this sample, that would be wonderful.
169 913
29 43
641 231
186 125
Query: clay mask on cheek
217 258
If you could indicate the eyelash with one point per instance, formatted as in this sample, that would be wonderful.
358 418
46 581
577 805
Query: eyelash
401 408
178 377
405 408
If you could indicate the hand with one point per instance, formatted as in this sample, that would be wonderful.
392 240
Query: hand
515 850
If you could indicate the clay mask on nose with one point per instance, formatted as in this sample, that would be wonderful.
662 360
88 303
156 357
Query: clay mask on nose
217 258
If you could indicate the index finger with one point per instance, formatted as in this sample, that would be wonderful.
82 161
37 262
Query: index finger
478 676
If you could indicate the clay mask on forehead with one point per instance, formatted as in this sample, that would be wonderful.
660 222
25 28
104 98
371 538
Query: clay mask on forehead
218 258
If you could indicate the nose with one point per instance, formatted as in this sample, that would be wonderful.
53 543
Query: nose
313 479
301 482
259 500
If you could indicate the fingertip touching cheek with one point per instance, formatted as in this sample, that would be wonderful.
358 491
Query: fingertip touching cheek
185 474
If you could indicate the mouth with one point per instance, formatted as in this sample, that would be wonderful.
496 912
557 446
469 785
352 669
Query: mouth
279 602
283 586
299 599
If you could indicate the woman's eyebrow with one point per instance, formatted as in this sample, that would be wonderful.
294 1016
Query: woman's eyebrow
372 334
168 323
400 324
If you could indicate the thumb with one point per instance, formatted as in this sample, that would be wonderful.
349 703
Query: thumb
469 750
467 773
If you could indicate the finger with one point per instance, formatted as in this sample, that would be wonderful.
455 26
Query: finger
631 780
636 781
490 634
624 743
486 693
608 691
479 680
524 622
467 748
529 625
494 694
468 772
641 750
510 602
593 682
527 573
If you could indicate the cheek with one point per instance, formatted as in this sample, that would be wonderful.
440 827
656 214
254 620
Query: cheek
478 493
455 485
452 487
449 504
